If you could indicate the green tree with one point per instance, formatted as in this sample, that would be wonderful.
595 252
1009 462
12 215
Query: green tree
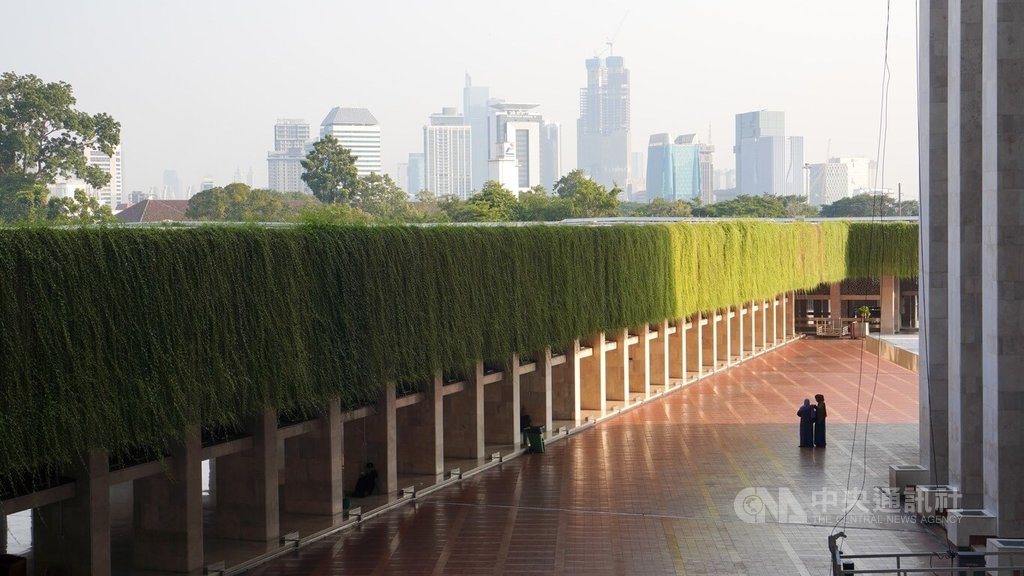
587 199
537 206
237 202
659 207
43 137
330 171
379 196
744 206
797 207
21 200
82 209
860 206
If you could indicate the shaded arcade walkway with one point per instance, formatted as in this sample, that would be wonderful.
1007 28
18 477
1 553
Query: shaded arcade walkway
654 491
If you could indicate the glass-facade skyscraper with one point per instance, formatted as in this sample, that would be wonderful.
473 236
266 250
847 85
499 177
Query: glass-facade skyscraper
767 162
673 168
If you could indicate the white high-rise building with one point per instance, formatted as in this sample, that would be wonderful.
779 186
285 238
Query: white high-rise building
767 161
284 164
603 129
550 155
448 154
837 179
112 194
515 124
357 130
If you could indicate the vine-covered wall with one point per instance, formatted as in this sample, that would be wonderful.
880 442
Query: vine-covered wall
120 338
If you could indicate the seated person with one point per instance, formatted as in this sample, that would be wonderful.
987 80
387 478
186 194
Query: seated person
367 483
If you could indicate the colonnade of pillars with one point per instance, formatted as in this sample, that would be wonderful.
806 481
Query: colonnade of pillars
271 471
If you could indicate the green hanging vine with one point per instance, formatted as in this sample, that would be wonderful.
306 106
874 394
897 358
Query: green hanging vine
120 338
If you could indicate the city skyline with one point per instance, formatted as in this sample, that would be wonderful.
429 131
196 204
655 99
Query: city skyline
826 78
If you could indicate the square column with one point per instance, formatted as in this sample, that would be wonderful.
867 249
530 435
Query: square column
565 386
73 536
463 418
692 347
314 463
592 377
778 325
420 432
932 106
709 343
247 481
660 356
382 442
889 301
723 339
1002 263
535 390
965 220
763 325
789 313
835 301
638 372
736 334
750 329
616 364
501 407
168 518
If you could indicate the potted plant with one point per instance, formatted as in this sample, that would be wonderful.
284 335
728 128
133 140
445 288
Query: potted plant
862 326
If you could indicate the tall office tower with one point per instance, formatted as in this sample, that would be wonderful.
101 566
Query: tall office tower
112 194
550 155
284 164
516 125
638 172
602 131
725 178
837 179
673 168
706 154
357 130
402 177
416 175
477 112
767 162
172 185
448 155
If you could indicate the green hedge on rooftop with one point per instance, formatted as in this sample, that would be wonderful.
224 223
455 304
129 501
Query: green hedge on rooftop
121 338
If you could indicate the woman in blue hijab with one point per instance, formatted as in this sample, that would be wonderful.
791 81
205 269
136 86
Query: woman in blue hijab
807 414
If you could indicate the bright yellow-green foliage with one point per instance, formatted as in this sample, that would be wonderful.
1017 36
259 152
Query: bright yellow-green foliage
122 338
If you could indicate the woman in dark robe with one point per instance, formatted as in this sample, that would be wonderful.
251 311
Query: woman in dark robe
819 423
807 417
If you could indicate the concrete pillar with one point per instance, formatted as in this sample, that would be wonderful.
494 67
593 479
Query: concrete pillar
168 513
314 464
535 390
762 323
776 317
638 382
73 536
736 334
565 386
708 342
723 338
661 356
889 305
247 484
616 364
463 418
750 329
835 301
502 409
382 442
933 118
789 312
964 220
3 533
420 446
592 377
1002 263
692 347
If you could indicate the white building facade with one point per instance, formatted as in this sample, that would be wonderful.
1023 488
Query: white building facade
448 155
516 125
837 179
357 130
112 194
284 164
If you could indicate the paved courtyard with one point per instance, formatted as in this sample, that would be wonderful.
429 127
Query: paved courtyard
682 485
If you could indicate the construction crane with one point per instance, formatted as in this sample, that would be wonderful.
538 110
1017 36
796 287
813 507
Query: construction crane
610 43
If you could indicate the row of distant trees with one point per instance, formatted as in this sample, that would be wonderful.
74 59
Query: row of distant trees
42 137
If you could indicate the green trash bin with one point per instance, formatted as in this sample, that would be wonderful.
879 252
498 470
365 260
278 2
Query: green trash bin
535 438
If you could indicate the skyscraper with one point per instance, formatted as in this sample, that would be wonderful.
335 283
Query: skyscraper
550 155
357 130
602 134
837 179
172 185
448 155
416 177
284 164
673 168
767 162
476 114
516 125
111 194
706 153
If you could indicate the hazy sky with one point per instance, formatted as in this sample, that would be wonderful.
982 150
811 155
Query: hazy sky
198 84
